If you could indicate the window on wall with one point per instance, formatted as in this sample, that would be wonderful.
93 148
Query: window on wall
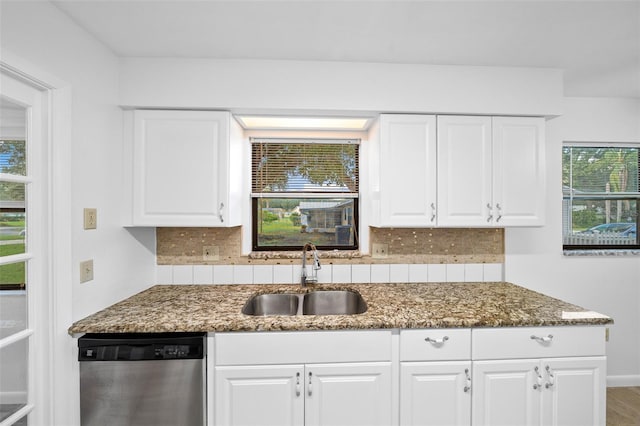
600 196
304 190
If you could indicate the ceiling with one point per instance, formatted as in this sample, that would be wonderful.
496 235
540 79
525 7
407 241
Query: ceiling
597 43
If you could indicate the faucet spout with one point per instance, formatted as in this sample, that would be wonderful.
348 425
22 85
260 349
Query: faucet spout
304 279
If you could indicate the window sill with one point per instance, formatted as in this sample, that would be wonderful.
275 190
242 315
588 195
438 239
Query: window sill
602 252
328 254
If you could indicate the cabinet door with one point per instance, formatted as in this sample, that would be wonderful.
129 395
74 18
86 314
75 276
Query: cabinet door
464 171
575 391
407 170
179 167
259 395
506 393
435 393
348 394
518 171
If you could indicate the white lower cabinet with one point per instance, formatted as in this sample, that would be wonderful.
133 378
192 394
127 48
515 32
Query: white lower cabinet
303 378
507 376
560 391
348 394
259 395
435 393
539 376
356 394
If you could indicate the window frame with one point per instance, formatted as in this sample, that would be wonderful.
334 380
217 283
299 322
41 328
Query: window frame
601 196
314 195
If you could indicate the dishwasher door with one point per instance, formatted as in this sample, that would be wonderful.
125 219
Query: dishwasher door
135 391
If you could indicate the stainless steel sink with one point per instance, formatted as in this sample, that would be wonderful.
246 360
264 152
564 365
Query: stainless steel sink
272 304
338 302
330 302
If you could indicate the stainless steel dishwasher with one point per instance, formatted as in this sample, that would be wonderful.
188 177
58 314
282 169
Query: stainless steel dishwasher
142 379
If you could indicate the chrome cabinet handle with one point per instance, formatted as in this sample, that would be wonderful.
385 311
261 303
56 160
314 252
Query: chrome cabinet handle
310 387
552 378
437 341
220 212
499 212
298 383
538 384
544 339
490 218
467 388
433 212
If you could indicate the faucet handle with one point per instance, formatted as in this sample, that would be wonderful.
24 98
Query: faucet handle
316 261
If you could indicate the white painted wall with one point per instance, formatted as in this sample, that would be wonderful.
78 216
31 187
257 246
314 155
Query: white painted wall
268 86
124 260
610 285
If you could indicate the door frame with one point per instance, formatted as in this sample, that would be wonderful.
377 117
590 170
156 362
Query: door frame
56 371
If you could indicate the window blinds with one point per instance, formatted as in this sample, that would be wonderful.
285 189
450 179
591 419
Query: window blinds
592 172
294 166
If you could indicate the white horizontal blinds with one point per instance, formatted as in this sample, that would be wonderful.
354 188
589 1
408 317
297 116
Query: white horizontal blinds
603 172
280 166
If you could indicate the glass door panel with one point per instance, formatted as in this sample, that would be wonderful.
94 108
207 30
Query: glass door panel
19 112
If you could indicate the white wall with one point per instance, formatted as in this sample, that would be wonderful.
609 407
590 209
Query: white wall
267 86
610 285
124 260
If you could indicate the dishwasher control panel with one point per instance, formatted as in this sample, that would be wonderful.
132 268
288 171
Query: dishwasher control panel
140 347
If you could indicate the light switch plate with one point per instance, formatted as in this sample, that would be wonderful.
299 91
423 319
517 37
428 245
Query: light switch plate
86 271
90 218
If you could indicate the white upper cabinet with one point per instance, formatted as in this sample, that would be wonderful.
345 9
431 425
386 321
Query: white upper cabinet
407 170
464 171
490 171
518 171
184 169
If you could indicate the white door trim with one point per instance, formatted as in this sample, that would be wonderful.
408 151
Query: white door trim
57 349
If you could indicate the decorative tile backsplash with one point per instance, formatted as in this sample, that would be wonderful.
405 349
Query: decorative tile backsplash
414 255
184 246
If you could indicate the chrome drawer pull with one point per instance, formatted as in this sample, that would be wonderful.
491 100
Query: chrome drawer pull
437 341
467 388
544 339
538 384
220 212
552 378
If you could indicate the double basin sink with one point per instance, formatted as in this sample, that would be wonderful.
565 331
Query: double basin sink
320 302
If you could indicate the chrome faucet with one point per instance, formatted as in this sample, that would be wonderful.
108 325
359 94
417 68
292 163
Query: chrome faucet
304 279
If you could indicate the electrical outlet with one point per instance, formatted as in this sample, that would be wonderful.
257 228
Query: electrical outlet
210 253
90 218
380 251
86 271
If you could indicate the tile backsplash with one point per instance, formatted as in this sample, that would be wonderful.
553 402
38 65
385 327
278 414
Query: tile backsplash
414 255
184 246
336 273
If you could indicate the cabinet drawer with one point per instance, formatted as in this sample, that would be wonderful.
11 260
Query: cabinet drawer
435 344
302 347
538 342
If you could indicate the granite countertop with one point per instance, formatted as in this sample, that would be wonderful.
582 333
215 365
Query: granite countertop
164 308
